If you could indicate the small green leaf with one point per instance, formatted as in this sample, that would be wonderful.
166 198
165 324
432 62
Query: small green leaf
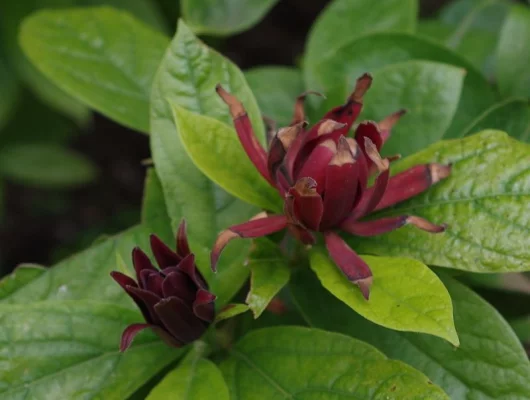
488 191
302 363
269 274
199 379
429 91
513 56
405 295
20 277
216 151
46 166
511 116
489 363
231 310
61 350
223 17
276 90
103 57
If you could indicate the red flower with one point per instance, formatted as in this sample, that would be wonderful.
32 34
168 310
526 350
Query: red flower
323 176
174 300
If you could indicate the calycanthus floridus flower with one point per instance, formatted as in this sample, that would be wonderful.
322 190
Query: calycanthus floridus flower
173 299
323 175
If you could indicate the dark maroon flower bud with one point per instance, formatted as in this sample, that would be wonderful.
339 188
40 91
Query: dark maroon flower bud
173 298
323 176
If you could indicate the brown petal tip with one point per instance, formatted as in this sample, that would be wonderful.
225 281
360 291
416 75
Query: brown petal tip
387 123
220 243
299 112
371 151
329 126
236 108
306 186
343 155
361 87
425 225
364 285
439 172
288 134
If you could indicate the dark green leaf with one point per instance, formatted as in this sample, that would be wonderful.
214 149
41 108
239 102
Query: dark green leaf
405 295
513 57
70 349
521 327
46 166
269 274
21 276
276 89
488 191
10 91
224 17
482 14
511 116
103 57
489 364
296 362
154 210
215 149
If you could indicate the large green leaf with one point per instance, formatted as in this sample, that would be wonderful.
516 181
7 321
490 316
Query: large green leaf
187 77
484 201
405 295
103 57
223 17
154 210
66 350
336 75
196 378
511 116
269 274
22 275
276 89
302 363
343 20
513 56
46 166
487 15
489 364
215 149
429 91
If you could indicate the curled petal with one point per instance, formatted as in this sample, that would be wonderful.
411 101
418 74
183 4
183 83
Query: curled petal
388 224
299 113
353 266
411 182
307 205
386 124
129 333
370 130
189 268
280 145
165 257
183 247
261 226
127 283
252 147
315 165
141 262
203 305
147 300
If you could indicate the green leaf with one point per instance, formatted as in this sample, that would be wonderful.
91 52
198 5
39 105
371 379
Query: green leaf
67 349
489 364
198 379
296 362
154 210
511 116
429 91
336 75
269 274
512 53
521 328
488 191
22 275
343 20
215 149
223 17
105 58
187 77
46 166
405 295
231 310
276 90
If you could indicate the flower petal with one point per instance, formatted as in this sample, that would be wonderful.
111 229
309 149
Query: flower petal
260 225
252 147
183 247
152 281
127 283
307 205
353 266
411 182
203 306
388 224
129 333
147 300
315 165
385 126
188 266
179 319
165 257
302 234
141 262
280 145
179 284
299 113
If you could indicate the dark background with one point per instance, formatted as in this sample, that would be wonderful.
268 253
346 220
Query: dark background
44 226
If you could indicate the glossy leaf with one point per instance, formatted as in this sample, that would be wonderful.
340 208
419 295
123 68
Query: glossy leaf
336 75
405 295
60 350
224 17
511 116
215 149
343 20
22 275
230 311
489 364
276 89
488 191
197 379
512 53
288 362
269 274
429 91
105 58
46 166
